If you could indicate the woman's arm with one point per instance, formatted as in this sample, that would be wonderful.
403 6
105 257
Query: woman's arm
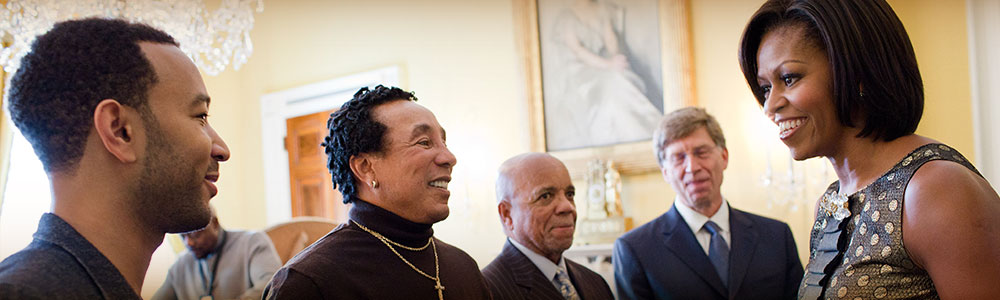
951 228
616 62
610 38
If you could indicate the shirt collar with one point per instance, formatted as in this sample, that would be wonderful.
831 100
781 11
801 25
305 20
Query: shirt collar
544 264
696 220
55 230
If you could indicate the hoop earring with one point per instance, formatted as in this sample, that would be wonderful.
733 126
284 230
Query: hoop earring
374 184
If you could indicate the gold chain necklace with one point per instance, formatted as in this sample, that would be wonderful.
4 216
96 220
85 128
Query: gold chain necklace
385 239
430 242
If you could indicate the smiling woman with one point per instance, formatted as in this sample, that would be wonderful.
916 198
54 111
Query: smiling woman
840 79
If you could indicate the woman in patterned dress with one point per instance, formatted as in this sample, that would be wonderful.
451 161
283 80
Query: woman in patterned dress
909 218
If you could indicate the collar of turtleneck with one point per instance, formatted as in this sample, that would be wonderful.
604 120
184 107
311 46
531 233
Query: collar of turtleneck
390 225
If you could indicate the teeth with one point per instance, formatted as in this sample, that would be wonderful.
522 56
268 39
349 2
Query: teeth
784 126
439 183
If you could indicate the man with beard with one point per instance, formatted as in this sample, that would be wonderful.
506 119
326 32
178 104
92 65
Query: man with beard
388 157
118 116
221 264
701 248
535 202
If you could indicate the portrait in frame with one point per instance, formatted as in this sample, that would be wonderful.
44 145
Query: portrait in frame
600 74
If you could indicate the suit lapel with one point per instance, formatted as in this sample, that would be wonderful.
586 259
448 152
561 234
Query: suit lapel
527 276
682 243
744 243
586 289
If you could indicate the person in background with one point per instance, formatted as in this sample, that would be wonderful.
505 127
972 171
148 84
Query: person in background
535 202
221 264
118 116
388 157
908 217
702 248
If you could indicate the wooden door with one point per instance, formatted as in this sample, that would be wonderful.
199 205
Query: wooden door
312 189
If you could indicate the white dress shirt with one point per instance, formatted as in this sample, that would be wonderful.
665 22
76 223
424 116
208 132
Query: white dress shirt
696 221
544 264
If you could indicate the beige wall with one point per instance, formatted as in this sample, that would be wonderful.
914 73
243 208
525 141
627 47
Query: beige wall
460 58
938 31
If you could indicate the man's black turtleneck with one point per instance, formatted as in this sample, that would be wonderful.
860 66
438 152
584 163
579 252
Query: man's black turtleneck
390 225
350 263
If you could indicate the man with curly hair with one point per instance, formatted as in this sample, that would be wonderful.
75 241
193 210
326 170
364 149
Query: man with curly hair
388 157
118 115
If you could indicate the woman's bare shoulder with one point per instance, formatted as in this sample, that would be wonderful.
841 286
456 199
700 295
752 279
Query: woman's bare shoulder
951 230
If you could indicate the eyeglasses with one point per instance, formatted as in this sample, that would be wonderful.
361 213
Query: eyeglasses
678 159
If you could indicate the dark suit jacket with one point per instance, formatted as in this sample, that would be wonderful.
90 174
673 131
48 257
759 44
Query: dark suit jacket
513 276
662 260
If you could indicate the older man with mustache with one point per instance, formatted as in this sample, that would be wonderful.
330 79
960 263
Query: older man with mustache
535 196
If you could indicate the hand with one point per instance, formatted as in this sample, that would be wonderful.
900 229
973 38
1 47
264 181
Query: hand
618 63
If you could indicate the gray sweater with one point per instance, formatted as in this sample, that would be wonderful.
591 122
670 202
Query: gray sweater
248 262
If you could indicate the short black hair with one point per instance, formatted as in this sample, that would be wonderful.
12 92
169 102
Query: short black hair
71 69
353 130
875 74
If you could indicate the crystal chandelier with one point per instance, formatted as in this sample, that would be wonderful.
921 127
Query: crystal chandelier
213 40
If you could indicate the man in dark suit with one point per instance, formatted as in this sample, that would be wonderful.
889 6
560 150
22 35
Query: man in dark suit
535 202
702 248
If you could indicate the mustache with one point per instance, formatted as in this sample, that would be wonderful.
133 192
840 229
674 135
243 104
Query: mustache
213 167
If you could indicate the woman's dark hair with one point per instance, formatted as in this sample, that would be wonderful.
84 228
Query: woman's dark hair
71 69
353 130
875 74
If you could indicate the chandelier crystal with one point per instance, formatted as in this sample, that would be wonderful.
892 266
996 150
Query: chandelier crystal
213 39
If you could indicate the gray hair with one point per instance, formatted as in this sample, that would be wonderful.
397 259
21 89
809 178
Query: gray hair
681 123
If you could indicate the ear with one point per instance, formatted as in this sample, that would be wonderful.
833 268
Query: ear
115 125
725 158
363 168
504 209
665 171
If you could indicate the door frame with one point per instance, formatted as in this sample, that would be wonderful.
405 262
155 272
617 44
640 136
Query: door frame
278 106
984 69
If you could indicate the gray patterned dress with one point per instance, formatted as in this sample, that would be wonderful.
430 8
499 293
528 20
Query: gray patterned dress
862 256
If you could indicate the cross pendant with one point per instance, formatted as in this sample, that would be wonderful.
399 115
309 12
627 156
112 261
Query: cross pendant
440 289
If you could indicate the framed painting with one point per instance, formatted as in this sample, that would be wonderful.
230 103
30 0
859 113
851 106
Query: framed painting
600 74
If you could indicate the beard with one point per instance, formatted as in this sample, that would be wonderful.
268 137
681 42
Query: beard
169 195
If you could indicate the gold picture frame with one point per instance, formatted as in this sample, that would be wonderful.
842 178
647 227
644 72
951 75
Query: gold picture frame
632 157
